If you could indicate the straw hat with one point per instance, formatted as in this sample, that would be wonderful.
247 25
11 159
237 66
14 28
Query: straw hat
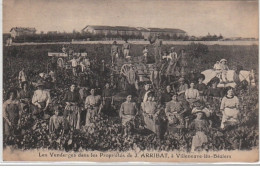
222 60
181 79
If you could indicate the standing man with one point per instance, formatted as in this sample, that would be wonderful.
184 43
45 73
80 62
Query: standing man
74 64
157 42
22 77
107 99
126 48
114 52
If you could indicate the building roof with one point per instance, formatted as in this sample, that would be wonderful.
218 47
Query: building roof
166 30
20 29
119 28
126 28
143 29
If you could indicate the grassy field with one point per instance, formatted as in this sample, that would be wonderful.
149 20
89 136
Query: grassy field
247 56
34 57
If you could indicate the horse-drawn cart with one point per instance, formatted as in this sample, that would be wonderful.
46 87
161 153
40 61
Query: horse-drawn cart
133 70
63 59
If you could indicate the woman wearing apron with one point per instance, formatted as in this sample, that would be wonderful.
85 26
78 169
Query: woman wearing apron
41 99
10 114
229 108
72 111
92 103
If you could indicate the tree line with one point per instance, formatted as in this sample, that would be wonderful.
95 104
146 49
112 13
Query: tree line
86 36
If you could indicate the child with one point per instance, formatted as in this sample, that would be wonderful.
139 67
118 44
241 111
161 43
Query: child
74 64
145 53
57 122
199 125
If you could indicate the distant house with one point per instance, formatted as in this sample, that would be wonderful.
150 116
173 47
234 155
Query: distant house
52 32
112 30
167 31
138 31
145 32
18 31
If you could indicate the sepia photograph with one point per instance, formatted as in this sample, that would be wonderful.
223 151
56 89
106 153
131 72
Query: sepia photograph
130 81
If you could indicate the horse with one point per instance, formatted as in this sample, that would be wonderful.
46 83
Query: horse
233 77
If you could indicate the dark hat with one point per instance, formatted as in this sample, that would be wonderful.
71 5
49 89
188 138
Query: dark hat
196 110
40 83
24 82
201 76
148 83
150 94
57 108
214 80
223 60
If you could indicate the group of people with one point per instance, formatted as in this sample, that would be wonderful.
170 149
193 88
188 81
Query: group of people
191 105
115 51
221 68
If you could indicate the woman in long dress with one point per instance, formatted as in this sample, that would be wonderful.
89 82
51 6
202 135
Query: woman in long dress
200 126
149 109
24 95
10 114
92 103
72 111
229 108
40 100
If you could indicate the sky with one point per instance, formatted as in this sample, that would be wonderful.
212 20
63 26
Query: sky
230 18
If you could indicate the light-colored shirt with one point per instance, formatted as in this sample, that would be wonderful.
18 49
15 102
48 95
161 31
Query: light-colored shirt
168 57
22 76
174 107
149 107
229 103
146 96
85 62
92 100
128 108
192 94
173 55
158 43
182 88
114 49
126 46
53 76
41 96
74 63
217 66
224 67
145 52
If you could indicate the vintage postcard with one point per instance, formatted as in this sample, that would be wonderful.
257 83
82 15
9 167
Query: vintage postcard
130 81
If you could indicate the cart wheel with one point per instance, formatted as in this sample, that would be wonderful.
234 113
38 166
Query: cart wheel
125 69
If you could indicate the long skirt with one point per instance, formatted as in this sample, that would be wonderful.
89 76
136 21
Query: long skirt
127 118
9 130
91 113
38 111
230 116
198 140
73 116
150 123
